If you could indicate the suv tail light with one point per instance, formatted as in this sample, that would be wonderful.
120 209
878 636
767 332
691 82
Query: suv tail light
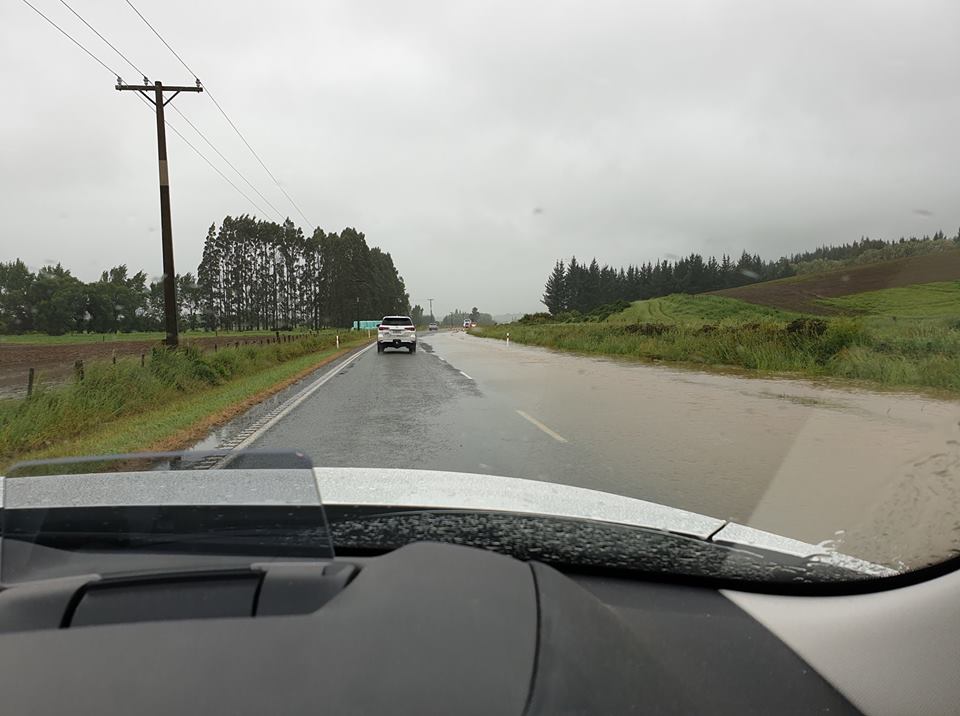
411 328
382 327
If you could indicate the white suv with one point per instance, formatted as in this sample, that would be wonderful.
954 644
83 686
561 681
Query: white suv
397 332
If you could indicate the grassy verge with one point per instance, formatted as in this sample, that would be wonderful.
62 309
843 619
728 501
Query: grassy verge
171 402
914 356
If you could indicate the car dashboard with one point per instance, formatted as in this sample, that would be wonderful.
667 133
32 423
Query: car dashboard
439 628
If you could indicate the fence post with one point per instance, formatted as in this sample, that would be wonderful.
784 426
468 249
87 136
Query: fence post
143 359
30 383
238 344
214 347
114 356
78 368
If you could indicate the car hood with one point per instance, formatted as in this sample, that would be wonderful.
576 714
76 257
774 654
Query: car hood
388 489
445 490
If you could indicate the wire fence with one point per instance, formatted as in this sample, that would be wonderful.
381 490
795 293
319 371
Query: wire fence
33 375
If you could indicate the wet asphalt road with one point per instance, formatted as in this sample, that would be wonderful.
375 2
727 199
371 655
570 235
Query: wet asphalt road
422 411
807 461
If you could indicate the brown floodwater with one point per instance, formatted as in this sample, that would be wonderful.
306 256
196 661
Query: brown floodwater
873 474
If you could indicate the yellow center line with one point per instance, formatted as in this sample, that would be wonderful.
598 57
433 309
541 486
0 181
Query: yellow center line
556 436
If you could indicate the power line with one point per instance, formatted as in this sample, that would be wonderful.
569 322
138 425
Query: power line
110 44
73 40
147 102
161 39
225 116
229 163
257 156
200 154
149 106
169 283
212 165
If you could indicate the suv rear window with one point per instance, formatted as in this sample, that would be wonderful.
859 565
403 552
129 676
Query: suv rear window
396 321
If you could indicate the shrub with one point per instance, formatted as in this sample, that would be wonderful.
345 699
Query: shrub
529 319
841 334
807 327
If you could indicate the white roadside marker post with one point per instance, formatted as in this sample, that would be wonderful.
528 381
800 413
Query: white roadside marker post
508 339
338 341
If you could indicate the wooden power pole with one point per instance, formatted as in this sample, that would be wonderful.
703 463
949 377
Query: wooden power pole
166 232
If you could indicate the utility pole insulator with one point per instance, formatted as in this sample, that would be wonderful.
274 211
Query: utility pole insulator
166 232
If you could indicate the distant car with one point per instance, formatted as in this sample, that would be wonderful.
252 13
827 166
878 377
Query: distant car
397 332
433 327
467 324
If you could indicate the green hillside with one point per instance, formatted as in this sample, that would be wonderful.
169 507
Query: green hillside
929 302
925 300
698 309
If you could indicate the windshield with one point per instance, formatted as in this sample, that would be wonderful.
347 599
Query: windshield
701 257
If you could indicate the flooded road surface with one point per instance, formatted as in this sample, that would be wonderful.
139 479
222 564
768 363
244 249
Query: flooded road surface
875 474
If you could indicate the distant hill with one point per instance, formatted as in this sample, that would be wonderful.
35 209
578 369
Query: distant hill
806 293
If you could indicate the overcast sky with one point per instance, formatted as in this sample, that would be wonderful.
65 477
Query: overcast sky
478 143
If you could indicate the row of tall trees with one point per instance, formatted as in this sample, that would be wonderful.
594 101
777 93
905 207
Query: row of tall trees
259 274
846 252
253 275
578 286
582 287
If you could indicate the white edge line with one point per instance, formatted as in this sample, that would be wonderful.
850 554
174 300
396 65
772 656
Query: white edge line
556 436
299 398
465 375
